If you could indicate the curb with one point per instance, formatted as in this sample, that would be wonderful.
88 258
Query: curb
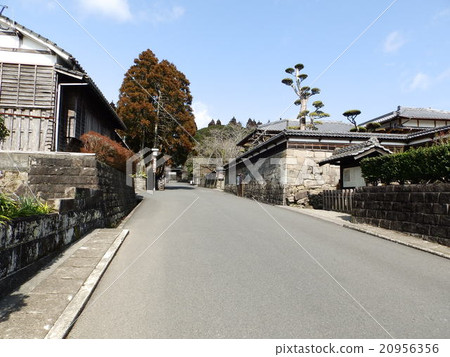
65 322
405 239
416 245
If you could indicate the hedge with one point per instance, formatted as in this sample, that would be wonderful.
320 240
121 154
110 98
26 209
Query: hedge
421 165
107 150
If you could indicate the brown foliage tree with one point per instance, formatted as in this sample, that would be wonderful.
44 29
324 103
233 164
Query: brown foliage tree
155 104
108 151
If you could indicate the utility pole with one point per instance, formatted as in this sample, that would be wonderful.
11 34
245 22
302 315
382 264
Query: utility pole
155 141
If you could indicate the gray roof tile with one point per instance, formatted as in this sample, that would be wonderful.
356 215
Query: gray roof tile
325 126
355 150
413 113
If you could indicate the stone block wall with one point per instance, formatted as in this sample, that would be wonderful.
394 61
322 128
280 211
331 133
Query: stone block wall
118 199
422 210
267 185
87 194
287 176
303 169
24 241
54 176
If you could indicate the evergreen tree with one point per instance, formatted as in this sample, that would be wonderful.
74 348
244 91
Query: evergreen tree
303 92
233 121
251 124
155 105
351 116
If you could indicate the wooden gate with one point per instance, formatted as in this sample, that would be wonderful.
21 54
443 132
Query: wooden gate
338 200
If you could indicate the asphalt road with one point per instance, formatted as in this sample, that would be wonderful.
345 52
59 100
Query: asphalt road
200 263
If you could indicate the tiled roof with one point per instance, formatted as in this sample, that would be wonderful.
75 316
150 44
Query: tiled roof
279 125
325 126
352 136
11 24
413 113
428 132
71 61
356 150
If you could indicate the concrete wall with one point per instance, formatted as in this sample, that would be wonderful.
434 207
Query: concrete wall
87 194
418 209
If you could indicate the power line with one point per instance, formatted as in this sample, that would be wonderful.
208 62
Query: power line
346 49
156 101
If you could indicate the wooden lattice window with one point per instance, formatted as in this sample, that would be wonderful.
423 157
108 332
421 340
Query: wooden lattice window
29 86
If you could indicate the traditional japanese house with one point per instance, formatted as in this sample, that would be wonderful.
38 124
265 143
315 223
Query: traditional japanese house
46 98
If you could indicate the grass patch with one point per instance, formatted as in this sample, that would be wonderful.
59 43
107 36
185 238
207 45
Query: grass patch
15 207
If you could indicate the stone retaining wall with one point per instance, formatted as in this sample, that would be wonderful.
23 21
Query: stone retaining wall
87 194
266 184
26 240
423 210
287 176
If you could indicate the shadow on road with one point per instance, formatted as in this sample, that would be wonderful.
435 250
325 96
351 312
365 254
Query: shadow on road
10 304
345 218
179 186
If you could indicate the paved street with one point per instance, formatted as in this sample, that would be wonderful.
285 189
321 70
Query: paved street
200 263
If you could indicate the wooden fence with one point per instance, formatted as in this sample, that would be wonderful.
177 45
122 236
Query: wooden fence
338 200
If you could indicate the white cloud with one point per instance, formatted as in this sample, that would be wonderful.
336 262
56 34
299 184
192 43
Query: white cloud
202 117
445 75
116 9
442 15
161 14
420 81
393 42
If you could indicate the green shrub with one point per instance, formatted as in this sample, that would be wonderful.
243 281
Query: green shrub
359 129
11 208
424 164
4 132
373 126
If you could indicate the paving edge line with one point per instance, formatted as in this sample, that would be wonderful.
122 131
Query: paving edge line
408 244
127 218
375 234
64 323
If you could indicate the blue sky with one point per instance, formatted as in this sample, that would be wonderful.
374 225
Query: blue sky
234 52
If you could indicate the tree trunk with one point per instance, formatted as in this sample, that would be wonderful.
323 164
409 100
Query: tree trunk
303 109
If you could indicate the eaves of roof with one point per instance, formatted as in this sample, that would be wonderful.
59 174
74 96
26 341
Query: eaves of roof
43 40
353 135
66 56
273 141
381 119
287 134
355 151
423 133
411 113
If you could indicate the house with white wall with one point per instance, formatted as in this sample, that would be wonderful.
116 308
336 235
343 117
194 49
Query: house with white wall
46 98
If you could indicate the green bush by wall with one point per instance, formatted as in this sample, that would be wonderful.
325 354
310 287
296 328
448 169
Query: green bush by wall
421 165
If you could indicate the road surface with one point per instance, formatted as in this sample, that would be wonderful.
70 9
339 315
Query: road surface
201 263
